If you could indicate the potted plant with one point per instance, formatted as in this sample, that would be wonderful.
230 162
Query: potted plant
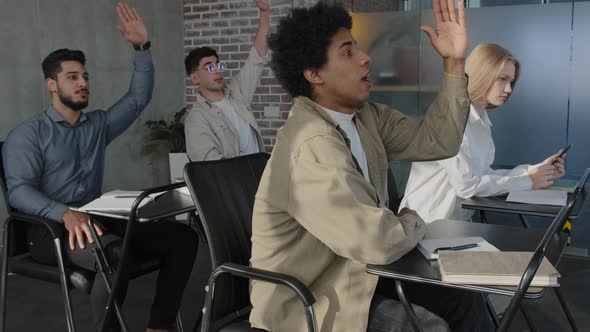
171 135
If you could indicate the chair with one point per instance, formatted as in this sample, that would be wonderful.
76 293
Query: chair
552 245
14 238
223 191
395 198
17 259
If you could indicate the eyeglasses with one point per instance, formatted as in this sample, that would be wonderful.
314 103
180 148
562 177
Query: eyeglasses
212 67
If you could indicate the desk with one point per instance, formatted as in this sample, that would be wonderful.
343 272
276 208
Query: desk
415 268
170 204
499 204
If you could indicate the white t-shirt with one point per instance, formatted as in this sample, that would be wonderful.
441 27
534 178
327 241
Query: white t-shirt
246 134
436 189
347 124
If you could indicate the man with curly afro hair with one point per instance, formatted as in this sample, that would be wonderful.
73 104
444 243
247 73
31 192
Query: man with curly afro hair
320 213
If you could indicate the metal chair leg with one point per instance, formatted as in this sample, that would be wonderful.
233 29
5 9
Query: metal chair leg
411 314
482 217
524 221
4 274
179 327
105 270
566 309
527 318
64 286
491 309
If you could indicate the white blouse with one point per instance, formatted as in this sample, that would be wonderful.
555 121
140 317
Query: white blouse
436 189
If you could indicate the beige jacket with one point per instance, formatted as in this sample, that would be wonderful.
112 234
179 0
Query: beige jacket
316 218
209 133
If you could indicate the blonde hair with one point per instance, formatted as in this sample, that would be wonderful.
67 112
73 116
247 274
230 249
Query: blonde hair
484 65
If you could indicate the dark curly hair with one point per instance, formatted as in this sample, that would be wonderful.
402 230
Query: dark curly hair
51 65
301 42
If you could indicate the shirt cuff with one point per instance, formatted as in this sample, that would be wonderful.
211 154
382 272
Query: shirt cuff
522 182
255 58
454 85
143 60
531 167
57 211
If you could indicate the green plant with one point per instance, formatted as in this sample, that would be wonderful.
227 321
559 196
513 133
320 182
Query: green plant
169 133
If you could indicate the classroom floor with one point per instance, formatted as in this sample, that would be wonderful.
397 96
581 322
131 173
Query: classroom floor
36 306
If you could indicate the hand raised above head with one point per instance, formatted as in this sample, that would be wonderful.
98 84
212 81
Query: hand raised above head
449 36
262 5
133 29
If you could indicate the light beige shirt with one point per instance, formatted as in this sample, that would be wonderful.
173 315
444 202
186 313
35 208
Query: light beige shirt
316 218
210 135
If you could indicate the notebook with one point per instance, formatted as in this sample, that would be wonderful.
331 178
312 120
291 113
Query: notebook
429 247
501 268
538 196
118 200
566 185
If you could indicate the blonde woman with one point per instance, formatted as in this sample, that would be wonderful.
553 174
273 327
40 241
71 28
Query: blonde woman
436 189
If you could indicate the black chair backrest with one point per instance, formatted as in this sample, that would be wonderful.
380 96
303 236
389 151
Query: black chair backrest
3 180
17 231
395 198
224 191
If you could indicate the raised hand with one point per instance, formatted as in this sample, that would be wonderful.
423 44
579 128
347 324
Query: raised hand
449 37
133 29
262 5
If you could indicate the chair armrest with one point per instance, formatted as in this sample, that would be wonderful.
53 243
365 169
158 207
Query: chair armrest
147 192
165 187
273 277
266 276
50 224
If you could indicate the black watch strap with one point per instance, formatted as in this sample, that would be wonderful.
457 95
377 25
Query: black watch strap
143 47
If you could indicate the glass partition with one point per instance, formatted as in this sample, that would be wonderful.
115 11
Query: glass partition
548 107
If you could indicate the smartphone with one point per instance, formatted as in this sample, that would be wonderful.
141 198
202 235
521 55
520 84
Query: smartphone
563 152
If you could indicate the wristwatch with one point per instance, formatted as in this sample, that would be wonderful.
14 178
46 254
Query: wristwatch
143 47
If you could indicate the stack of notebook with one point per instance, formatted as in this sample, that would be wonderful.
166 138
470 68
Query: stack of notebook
493 268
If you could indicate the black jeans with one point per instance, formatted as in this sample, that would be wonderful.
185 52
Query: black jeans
173 243
462 310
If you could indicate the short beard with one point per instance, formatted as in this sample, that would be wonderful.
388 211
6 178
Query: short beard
75 106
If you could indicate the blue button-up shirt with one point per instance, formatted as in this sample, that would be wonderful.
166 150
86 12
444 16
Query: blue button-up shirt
50 163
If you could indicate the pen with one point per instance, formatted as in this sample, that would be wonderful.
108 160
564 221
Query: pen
461 247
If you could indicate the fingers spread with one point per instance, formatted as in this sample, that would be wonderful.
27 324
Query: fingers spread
444 8
462 14
451 5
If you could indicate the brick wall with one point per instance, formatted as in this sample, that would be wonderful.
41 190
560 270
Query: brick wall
229 27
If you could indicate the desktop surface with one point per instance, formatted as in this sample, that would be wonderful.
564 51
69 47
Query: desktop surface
415 267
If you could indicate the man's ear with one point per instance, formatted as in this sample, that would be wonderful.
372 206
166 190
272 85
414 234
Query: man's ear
313 76
51 85
194 78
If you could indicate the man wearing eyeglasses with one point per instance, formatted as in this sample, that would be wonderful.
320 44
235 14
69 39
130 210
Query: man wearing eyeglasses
220 125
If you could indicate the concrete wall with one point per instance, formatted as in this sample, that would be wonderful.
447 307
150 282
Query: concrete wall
31 29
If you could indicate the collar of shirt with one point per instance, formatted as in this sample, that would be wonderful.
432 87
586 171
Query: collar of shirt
340 118
56 117
204 102
474 117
